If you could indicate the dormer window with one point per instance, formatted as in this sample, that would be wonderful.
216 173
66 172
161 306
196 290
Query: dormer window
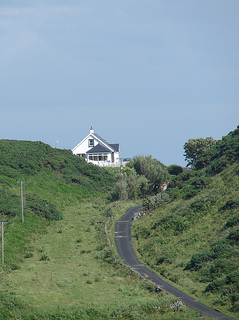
91 142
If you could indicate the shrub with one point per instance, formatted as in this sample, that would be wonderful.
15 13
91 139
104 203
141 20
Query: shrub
44 257
153 202
144 232
230 205
199 182
120 191
233 278
189 194
174 169
217 166
197 205
153 170
198 260
232 222
164 258
43 208
234 236
215 285
9 204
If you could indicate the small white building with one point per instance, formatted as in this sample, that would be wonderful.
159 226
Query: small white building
98 151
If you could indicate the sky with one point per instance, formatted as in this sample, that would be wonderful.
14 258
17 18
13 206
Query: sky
148 75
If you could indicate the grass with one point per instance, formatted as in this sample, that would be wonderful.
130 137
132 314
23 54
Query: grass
66 269
72 278
168 239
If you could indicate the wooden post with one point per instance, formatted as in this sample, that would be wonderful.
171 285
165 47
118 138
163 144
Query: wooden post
3 241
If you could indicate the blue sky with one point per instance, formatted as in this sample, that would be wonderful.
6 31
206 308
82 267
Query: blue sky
146 74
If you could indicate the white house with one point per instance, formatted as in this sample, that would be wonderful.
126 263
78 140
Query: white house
98 151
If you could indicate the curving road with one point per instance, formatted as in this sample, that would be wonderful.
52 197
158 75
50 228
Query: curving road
126 252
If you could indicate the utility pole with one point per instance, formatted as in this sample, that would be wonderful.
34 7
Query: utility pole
21 182
3 241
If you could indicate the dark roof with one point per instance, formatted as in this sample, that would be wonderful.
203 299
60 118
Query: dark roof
98 148
100 138
115 146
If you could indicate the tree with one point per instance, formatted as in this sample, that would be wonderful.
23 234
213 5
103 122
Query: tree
195 148
141 177
130 186
174 169
153 170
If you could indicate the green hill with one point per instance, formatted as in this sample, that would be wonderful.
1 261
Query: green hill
58 263
192 240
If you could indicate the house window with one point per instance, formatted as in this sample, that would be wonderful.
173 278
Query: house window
91 142
82 155
98 157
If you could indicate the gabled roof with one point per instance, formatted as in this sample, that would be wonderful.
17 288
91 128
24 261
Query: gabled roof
115 146
111 147
98 148
103 145
100 138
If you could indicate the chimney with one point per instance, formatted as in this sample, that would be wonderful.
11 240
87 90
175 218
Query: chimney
91 130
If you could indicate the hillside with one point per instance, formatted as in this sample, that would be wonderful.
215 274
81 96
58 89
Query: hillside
192 240
58 264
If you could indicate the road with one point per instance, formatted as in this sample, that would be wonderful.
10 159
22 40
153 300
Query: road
126 252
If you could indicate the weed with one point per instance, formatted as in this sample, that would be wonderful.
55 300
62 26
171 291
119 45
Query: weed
44 257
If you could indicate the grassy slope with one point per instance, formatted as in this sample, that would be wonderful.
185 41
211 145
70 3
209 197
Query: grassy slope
63 268
193 240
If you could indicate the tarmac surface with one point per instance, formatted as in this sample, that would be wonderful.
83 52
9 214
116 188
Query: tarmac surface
126 252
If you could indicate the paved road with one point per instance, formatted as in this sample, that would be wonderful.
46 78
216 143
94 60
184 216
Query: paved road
126 252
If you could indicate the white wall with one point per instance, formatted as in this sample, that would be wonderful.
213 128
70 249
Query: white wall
84 145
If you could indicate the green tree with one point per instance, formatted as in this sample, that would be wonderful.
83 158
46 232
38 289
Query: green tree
120 191
174 169
195 148
153 170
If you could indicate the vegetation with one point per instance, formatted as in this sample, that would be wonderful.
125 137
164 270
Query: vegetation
195 148
192 239
58 263
61 263
174 169
141 178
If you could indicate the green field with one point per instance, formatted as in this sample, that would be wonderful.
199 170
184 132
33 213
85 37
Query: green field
62 263
191 240
58 263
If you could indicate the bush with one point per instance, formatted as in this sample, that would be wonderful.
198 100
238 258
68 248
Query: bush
10 205
153 170
198 205
44 257
120 191
219 156
174 169
232 222
233 236
199 182
215 285
198 261
164 258
189 194
153 202
43 208
217 166
230 205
